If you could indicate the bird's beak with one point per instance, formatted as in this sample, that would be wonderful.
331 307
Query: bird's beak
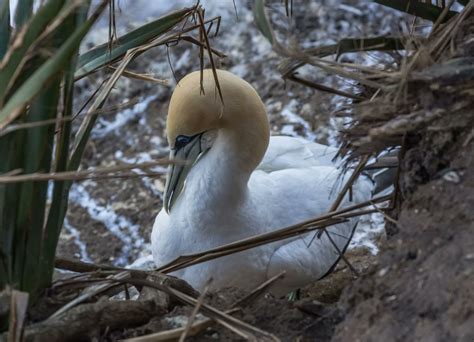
184 158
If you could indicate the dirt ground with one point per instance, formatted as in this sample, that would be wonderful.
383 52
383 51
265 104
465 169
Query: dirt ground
422 288
313 316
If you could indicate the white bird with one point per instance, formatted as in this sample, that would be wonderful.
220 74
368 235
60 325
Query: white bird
238 182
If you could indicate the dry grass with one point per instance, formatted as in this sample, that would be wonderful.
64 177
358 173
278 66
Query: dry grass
386 119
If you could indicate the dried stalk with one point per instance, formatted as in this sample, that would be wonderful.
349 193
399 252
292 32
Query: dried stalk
87 174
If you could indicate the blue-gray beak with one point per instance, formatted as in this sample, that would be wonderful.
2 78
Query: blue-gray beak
185 155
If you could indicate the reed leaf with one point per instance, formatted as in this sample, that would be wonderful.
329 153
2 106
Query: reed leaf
16 55
9 195
347 45
417 8
59 202
102 55
33 195
5 29
262 20
23 206
46 72
24 10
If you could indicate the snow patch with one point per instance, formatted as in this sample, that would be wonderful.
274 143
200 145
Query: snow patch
118 225
83 254
104 127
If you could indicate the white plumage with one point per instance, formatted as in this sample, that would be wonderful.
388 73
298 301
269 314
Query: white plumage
225 200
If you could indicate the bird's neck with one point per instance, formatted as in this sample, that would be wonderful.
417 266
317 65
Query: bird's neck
221 175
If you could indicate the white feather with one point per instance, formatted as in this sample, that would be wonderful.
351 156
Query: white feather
296 181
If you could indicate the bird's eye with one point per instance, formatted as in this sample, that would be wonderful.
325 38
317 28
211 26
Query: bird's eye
181 141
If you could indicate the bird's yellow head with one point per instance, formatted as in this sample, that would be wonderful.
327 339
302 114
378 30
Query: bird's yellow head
194 114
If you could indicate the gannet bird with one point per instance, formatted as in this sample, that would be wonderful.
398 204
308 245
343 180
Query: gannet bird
235 182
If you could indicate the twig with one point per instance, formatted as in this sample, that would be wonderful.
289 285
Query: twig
387 217
82 267
141 77
211 59
241 328
191 318
86 174
90 292
197 327
320 222
321 87
82 322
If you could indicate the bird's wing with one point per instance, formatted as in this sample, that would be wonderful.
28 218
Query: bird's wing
288 152
309 258
308 193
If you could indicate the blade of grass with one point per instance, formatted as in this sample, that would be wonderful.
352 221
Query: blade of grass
23 12
100 56
262 21
46 72
33 196
59 200
359 44
15 56
5 29
9 194
417 8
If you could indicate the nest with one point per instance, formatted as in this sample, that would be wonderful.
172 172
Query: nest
432 90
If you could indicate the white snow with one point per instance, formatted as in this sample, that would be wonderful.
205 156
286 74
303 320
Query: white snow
118 225
83 254
104 127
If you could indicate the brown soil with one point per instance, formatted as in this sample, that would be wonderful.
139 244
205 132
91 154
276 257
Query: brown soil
313 317
423 288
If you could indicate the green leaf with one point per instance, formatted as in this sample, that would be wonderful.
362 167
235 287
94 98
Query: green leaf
23 12
10 146
262 21
417 8
101 55
38 148
59 202
5 28
16 54
30 88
